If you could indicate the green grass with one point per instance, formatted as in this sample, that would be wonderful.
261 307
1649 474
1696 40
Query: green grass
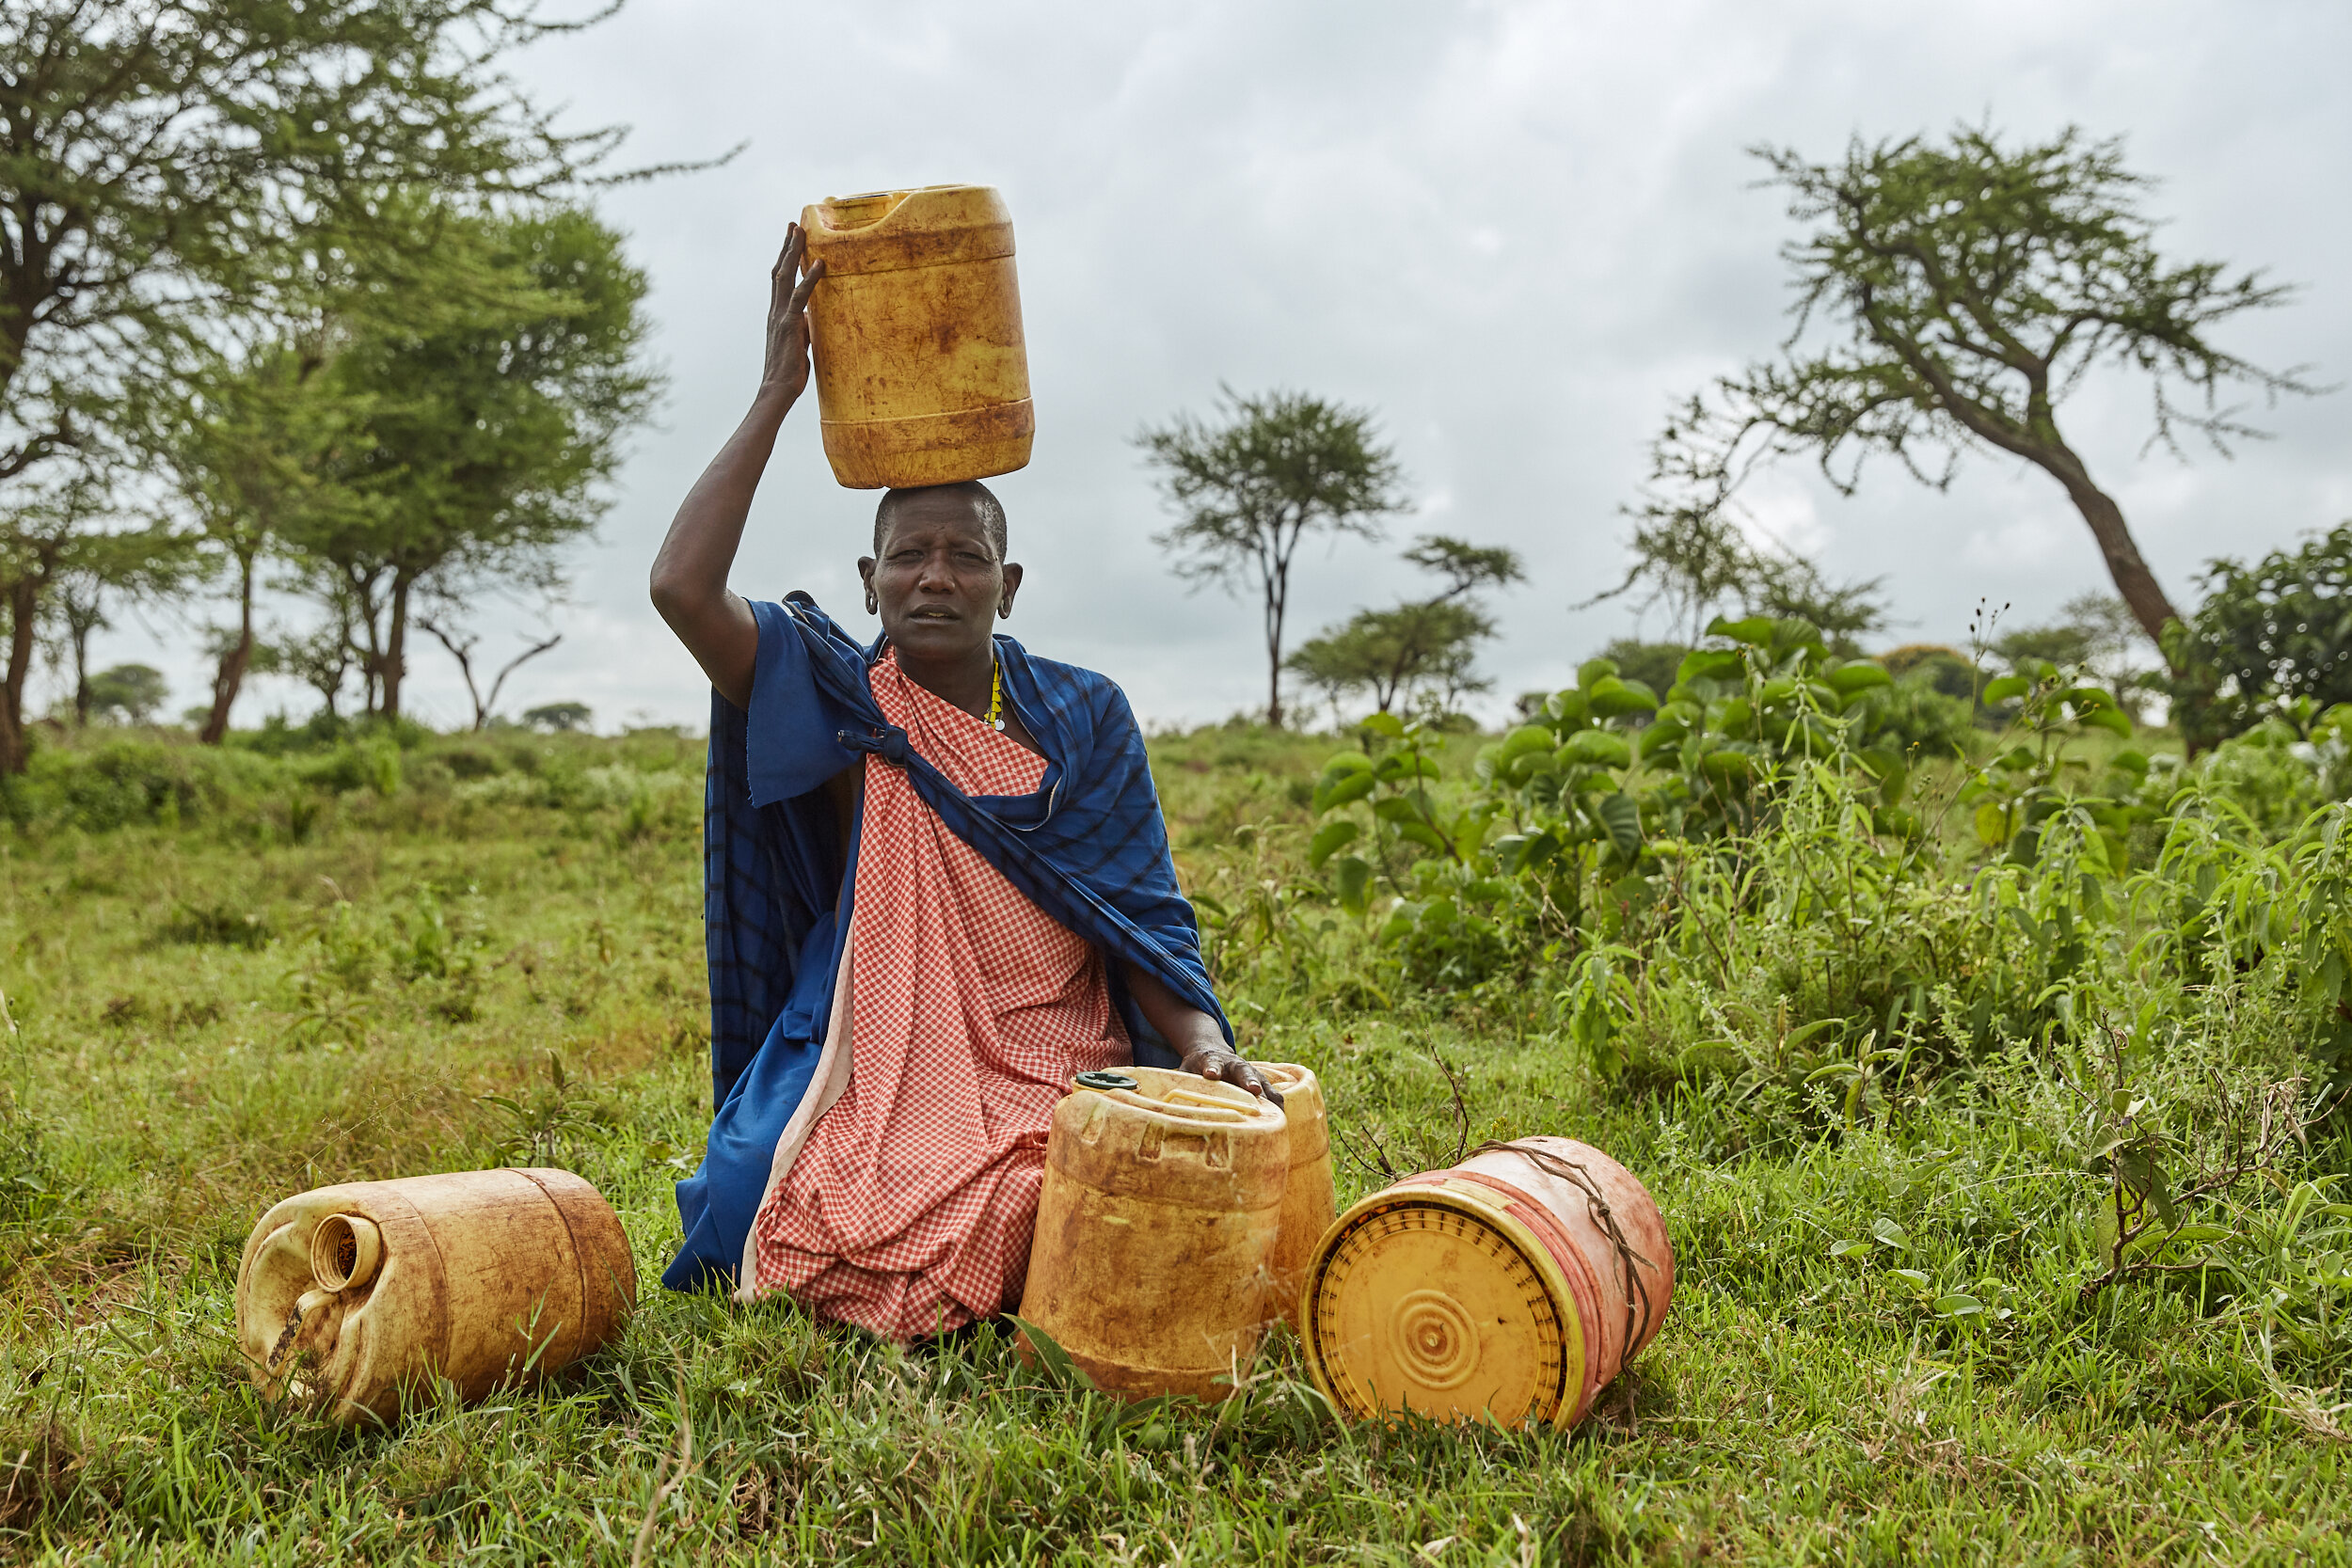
212 1016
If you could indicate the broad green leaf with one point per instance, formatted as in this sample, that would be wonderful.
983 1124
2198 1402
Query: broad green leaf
1046 1353
1567 706
1958 1304
1420 833
2131 762
1329 839
1709 664
1847 1249
1355 883
1991 824
1596 749
1612 698
1890 1234
1340 764
1622 818
1399 766
1756 630
2112 720
1593 672
1659 738
2007 689
1526 738
1859 674
1340 792
1383 723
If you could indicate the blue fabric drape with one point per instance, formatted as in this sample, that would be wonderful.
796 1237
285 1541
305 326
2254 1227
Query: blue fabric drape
1091 849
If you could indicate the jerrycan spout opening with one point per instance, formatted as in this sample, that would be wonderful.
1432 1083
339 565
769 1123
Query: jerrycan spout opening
344 1252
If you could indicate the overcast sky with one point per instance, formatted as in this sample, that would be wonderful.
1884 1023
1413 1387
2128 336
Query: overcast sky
1515 231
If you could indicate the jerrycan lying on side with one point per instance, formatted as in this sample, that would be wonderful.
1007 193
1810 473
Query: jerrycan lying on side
1510 1288
922 372
355 1297
1162 1192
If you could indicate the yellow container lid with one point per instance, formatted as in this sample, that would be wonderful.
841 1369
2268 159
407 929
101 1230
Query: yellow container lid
1432 1297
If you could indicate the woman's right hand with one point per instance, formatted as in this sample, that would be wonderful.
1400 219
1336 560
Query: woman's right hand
790 285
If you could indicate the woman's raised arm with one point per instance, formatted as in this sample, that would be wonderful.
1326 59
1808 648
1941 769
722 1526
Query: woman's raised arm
690 573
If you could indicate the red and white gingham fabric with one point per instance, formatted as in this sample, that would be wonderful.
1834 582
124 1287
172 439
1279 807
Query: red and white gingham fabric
910 1209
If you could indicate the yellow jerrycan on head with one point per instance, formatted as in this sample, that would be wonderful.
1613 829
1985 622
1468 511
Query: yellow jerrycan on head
355 1298
1162 1194
922 372
1511 1287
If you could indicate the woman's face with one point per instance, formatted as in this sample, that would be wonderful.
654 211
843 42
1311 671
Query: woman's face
938 582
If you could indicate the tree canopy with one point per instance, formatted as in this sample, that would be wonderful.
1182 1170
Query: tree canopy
188 188
1421 648
486 430
2268 633
1950 297
1252 486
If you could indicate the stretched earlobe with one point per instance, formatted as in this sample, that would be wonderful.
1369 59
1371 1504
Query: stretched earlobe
872 607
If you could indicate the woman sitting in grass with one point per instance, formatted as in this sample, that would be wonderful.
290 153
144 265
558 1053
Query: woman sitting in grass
937 884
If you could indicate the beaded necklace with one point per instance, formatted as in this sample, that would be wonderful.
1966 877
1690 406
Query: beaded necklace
995 696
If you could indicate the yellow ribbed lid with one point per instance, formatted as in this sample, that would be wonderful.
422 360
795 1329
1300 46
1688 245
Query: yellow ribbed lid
1433 1299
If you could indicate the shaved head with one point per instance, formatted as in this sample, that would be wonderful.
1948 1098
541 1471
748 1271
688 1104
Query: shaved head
983 501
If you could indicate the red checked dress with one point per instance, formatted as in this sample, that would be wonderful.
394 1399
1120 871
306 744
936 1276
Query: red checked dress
909 1210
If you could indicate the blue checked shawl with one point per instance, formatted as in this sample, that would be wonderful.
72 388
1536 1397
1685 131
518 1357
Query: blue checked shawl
1089 848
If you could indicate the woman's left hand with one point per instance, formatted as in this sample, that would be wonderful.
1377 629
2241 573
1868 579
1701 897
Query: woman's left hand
1221 1064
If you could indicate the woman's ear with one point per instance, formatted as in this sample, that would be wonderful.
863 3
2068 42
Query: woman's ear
1013 586
866 574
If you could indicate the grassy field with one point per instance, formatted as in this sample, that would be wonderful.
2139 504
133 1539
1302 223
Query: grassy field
215 1007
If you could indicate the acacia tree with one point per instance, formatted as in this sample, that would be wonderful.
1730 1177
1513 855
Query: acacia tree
94 569
1252 486
167 165
1430 643
1695 559
488 430
1950 297
252 446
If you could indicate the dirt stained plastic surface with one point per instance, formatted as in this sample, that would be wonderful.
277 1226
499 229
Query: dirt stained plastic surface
1154 1230
355 1297
1510 1288
1310 1196
921 368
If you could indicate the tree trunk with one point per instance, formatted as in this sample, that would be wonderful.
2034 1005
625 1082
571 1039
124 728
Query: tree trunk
395 645
1276 594
23 597
81 675
2150 606
230 677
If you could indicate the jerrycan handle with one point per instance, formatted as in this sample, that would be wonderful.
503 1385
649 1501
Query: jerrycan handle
1099 1080
844 214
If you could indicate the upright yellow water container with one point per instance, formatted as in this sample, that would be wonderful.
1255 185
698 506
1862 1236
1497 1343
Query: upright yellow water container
1510 1288
922 372
354 1298
1163 1193
1310 1197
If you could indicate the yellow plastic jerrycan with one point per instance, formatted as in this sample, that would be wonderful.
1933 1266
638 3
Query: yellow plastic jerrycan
354 1298
1310 1197
922 372
1162 1192
1510 1288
